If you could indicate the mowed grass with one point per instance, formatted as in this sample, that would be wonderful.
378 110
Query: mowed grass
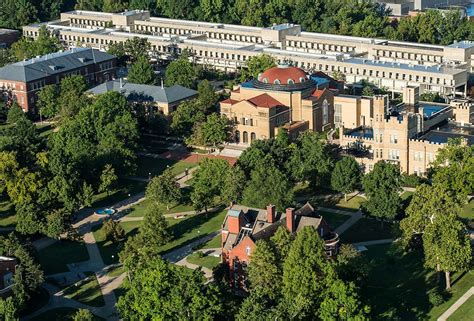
206 261
150 166
60 314
124 188
54 258
467 213
109 250
398 285
214 243
465 311
86 291
367 229
7 212
334 219
183 231
352 204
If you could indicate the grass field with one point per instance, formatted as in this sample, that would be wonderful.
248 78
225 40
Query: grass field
334 219
367 230
125 187
352 204
465 311
7 212
54 258
147 166
59 314
209 262
213 243
398 285
467 213
86 291
108 250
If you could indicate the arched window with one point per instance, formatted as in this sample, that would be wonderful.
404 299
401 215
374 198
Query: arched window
265 80
246 138
276 82
325 112
291 82
237 136
253 137
302 79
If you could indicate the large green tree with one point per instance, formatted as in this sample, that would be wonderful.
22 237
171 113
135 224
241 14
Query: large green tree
382 187
180 72
432 217
141 72
346 176
161 291
163 189
48 101
257 65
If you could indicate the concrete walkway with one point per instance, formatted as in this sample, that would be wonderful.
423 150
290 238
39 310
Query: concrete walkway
180 253
456 305
355 217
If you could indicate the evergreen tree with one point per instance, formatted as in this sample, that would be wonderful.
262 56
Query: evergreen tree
141 72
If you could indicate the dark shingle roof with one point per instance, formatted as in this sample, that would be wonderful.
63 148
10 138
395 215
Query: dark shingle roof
51 64
138 92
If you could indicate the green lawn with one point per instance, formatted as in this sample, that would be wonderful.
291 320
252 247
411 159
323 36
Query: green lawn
468 211
398 285
59 314
213 243
334 219
352 204
7 212
44 130
109 250
115 272
125 187
183 231
184 206
86 291
367 229
209 262
465 311
156 166
54 258
188 229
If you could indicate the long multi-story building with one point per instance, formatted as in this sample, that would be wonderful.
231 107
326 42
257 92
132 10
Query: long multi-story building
403 7
23 80
391 64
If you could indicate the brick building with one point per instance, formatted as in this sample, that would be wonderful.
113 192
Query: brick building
282 96
7 270
24 79
243 226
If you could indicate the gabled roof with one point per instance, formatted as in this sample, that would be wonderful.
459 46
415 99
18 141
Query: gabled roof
229 101
52 64
265 100
139 92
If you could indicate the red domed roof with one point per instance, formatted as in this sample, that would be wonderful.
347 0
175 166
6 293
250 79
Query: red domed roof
283 75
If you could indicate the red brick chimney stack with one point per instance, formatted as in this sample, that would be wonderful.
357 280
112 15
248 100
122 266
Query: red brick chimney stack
290 219
271 214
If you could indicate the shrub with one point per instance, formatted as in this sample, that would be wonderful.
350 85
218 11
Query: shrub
435 297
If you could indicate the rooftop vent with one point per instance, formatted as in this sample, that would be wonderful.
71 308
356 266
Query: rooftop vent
83 59
54 67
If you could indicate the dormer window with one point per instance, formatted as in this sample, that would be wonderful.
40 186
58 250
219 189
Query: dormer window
302 79
291 82
277 81
265 80
247 250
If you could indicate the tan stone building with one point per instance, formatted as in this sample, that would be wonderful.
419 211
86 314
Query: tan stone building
409 135
282 96
391 64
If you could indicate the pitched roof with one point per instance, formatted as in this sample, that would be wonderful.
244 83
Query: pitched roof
265 100
229 101
318 93
139 92
51 64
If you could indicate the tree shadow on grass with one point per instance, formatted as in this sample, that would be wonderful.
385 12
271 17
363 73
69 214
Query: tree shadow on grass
398 284
109 250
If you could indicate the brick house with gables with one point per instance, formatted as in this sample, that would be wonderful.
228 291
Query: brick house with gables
243 226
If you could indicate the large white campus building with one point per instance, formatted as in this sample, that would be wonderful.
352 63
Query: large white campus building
391 64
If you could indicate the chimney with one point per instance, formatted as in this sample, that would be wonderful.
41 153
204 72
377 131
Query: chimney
290 219
271 214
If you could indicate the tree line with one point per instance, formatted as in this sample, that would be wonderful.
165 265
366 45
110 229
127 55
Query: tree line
345 17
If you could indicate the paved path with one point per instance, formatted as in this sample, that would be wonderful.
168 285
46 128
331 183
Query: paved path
456 305
207 272
347 224
180 253
374 242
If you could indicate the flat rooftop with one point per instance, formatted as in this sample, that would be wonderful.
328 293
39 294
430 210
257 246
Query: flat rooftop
397 65
449 131
462 44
